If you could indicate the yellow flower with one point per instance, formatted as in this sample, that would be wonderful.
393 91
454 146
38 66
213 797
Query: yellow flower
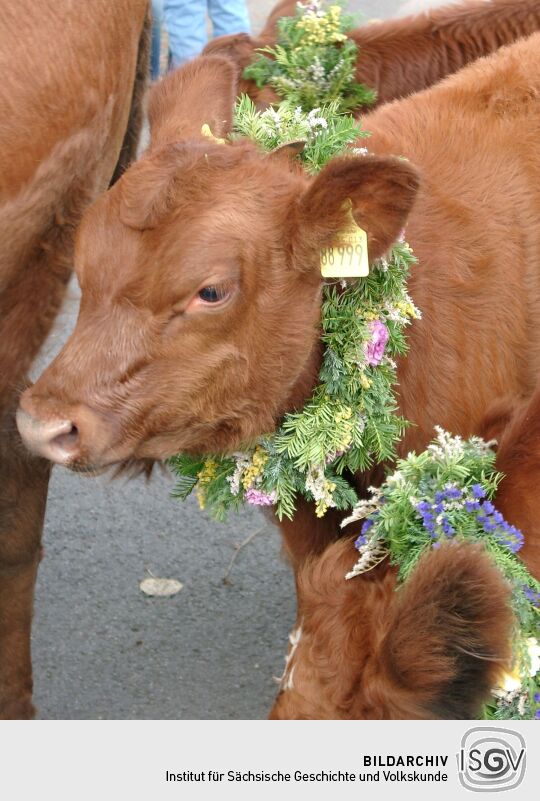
322 30
200 494
208 471
258 461
321 508
365 382
513 680
205 476
343 414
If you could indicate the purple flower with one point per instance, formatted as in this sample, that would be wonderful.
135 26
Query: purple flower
367 524
537 714
447 528
488 507
537 698
472 506
374 350
532 596
259 498
510 536
478 491
360 541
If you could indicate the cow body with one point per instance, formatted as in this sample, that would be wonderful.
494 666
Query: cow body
201 290
72 74
400 56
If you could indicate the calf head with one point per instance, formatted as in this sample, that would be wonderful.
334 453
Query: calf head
434 648
242 49
199 272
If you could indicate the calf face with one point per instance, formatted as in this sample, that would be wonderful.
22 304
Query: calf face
201 288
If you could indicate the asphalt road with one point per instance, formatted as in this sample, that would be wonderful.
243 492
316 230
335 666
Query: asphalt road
101 648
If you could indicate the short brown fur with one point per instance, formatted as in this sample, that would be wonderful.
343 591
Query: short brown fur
72 80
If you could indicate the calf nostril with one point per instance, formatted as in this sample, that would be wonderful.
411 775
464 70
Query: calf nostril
68 441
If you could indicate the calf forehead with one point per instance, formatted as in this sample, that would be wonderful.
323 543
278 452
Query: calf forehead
106 251
225 213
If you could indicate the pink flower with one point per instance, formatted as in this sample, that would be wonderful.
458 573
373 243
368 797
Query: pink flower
374 350
259 498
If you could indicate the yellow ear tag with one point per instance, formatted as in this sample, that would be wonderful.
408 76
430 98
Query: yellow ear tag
206 131
348 256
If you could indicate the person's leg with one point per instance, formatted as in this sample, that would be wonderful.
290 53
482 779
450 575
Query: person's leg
185 21
157 19
228 16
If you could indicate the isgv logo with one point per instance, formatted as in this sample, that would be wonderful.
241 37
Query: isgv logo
491 759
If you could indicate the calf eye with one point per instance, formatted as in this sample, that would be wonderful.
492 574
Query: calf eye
213 294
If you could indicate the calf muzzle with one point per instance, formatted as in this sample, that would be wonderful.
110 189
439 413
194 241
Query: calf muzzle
74 437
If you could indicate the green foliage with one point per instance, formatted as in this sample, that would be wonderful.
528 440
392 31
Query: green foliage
313 62
325 131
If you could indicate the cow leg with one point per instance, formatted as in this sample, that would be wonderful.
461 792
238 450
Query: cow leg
23 493
28 306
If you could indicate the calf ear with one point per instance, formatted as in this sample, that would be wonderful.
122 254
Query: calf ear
238 47
201 92
381 191
449 635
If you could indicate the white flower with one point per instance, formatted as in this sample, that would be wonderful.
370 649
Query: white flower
510 683
534 655
242 462
317 484
364 508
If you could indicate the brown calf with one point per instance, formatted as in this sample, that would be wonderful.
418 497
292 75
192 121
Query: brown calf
362 650
401 56
72 76
201 287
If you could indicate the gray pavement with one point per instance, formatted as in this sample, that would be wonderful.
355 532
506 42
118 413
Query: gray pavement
101 648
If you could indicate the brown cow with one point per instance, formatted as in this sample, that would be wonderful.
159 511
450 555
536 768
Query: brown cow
72 78
401 56
201 289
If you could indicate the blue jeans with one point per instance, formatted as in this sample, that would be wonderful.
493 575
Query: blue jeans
187 27
157 19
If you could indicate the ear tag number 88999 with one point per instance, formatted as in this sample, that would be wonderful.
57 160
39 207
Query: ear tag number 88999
348 256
